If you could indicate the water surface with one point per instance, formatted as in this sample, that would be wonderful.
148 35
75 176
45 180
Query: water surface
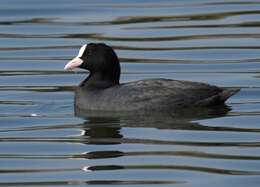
43 143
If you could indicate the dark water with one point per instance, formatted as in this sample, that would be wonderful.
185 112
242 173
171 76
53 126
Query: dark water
42 143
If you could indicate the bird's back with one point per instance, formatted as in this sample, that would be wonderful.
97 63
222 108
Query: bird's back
151 95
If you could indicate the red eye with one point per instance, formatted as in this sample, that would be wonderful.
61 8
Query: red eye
89 52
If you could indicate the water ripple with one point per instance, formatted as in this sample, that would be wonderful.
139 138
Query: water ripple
43 143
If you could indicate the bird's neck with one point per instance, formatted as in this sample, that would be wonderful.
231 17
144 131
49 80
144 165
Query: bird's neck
99 80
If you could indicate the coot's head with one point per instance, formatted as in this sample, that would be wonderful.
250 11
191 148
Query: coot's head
98 58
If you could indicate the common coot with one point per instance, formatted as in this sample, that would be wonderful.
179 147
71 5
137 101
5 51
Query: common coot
101 90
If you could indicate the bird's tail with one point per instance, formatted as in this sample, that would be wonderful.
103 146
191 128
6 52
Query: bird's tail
219 98
228 92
